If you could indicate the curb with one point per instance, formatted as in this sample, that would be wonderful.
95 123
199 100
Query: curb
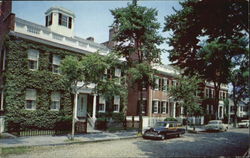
76 142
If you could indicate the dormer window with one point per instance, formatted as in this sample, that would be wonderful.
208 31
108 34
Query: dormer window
65 21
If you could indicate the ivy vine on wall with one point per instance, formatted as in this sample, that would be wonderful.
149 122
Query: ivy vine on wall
17 78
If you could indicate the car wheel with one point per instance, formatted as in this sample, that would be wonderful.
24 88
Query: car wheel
178 135
162 137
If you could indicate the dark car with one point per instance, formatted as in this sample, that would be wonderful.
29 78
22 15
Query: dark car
163 129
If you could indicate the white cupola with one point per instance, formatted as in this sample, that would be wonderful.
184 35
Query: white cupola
60 20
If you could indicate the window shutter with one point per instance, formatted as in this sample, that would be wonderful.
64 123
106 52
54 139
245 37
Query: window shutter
60 19
46 21
51 19
153 106
70 22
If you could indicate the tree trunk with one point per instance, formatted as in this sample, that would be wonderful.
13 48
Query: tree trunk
235 104
74 116
216 98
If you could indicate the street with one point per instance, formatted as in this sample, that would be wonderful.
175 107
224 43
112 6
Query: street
235 142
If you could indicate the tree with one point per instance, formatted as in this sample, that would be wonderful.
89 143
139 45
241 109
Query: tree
239 78
218 24
80 72
137 39
187 92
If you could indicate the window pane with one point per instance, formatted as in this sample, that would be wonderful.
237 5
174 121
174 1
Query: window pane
101 100
56 60
117 72
117 100
33 54
30 94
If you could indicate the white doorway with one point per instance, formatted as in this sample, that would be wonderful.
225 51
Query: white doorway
82 105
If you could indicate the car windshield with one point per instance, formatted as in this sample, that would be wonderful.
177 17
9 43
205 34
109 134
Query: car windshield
160 124
213 122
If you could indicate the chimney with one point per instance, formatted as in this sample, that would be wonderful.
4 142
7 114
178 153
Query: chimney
91 39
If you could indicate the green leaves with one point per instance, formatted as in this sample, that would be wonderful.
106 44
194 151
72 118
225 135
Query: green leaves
187 91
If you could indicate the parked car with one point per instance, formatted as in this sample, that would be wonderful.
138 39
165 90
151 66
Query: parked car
163 129
243 123
216 125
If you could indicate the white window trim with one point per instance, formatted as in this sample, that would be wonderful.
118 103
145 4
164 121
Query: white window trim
57 109
37 60
165 105
104 105
157 83
116 111
53 70
33 108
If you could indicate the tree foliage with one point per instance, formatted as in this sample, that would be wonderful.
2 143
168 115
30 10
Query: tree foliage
137 40
207 36
186 91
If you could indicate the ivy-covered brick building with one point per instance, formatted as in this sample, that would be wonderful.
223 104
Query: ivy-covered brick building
33 93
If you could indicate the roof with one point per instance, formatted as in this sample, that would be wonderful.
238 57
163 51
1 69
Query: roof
60 9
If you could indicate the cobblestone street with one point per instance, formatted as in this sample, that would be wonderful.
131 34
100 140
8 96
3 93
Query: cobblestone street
235 142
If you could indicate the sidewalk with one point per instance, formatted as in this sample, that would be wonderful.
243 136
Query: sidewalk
63 140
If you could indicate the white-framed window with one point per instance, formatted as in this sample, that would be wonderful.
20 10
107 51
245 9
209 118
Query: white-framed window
207 92
33 56
64 20
56 61
30 99
155 106
55 101
156 86
116 103
165 85
1 99
212 95
163 107
102 104
208 109
117 72
174 83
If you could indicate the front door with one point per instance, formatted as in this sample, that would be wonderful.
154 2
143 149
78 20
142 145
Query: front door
82 105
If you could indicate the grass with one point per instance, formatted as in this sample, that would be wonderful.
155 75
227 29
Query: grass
15 150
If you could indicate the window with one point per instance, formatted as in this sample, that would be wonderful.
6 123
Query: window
1 99
55 101
156 86
207 92
167 107
30 99
56 64
210 93
164 88
163 107
2 59
49 20
155 106
33 56
116 103
101 105
118 75
65 21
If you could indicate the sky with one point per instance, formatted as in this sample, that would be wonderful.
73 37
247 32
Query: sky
93 18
